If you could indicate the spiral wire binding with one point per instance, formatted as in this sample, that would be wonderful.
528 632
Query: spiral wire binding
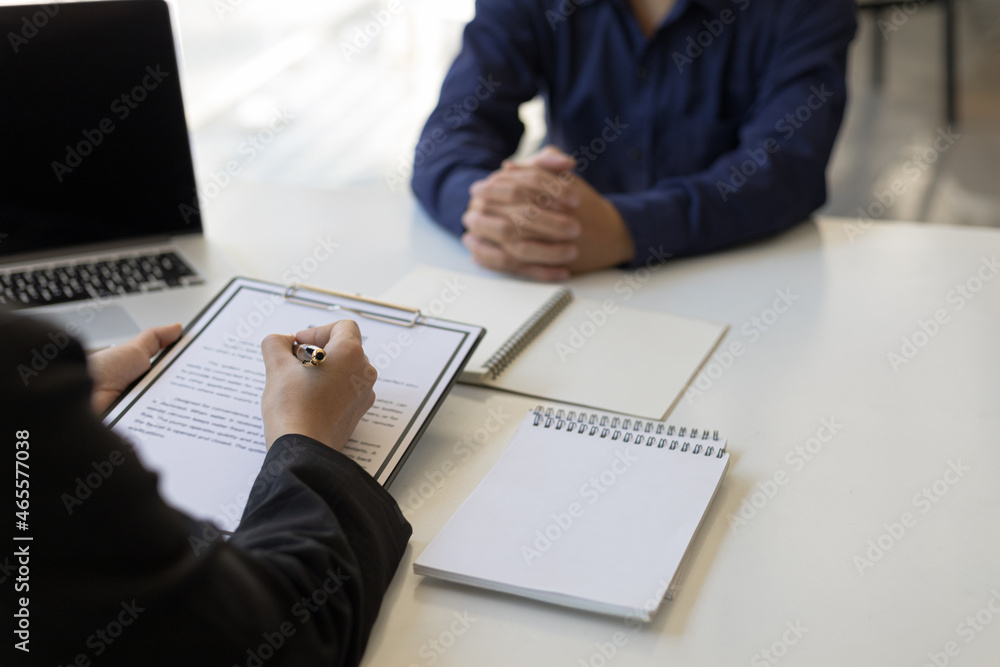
528 331
637 431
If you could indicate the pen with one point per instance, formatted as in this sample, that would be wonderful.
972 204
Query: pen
309 355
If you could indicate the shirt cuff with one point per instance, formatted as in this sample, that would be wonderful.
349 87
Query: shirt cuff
452 198
655 221
327 471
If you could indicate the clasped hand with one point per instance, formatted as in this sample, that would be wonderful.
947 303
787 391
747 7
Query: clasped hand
538 219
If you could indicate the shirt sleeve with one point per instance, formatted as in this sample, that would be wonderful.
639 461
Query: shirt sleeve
119 577
776 177
475 125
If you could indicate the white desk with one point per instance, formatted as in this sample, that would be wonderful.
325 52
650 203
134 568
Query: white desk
824 360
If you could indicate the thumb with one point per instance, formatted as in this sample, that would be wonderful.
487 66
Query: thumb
552 159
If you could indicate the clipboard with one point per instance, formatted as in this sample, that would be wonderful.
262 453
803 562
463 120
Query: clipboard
194 417
291 294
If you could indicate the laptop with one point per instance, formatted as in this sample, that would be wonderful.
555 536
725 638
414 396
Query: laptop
100 228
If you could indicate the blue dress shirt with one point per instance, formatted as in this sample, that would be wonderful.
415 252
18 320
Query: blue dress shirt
713 131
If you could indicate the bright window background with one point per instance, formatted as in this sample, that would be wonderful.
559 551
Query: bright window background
356 78
355 116
350 83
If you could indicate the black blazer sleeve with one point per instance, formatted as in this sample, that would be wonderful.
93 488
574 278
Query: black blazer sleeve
120 578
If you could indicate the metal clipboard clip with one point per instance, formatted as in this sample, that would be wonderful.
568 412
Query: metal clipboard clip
410 321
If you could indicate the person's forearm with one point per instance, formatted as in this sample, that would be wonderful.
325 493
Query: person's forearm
323 528
775 177
475 125
707 212
443 191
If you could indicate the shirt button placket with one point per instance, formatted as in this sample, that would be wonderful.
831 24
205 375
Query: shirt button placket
642 119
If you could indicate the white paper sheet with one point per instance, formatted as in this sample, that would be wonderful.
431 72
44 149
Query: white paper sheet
196 418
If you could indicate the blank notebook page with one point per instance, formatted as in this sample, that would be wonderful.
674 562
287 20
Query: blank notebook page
501 306
636 362
637 508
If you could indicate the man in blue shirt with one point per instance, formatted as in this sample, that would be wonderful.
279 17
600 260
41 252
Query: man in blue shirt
675 127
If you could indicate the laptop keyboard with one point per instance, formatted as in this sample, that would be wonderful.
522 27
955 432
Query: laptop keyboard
89 280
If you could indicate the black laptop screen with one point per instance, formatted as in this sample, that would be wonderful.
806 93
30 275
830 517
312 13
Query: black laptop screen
93 139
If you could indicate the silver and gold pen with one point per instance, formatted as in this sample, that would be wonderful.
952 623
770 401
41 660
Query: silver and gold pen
309 355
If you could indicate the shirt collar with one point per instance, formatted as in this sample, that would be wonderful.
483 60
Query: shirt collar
713 6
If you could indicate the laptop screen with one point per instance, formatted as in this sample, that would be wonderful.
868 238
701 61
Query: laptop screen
93 139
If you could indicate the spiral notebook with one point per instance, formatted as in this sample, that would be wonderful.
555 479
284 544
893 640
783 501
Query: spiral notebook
544 341
590 510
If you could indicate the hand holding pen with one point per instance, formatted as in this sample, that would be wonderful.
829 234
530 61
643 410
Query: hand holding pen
325 402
